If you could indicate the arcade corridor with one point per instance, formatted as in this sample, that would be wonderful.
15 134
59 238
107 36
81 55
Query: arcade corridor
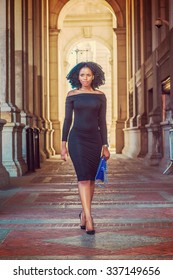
40 40
133 216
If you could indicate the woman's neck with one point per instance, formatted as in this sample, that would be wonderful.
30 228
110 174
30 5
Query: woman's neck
88 89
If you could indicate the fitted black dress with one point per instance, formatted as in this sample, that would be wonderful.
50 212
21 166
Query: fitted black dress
88 133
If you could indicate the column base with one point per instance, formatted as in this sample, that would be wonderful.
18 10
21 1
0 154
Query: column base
12 149
43 154
4 175
56 137
154 154
111 136
5 178
119 136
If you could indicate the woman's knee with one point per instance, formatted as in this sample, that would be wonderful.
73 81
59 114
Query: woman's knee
84 183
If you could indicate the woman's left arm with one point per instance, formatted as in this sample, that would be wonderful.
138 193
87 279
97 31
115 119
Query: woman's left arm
105 152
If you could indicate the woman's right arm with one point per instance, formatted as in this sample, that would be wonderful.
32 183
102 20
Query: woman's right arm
66 127
64 151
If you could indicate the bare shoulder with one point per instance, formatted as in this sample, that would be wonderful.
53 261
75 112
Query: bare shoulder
72 92
99 92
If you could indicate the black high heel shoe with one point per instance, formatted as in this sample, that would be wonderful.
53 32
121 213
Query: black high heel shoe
80 217
92 231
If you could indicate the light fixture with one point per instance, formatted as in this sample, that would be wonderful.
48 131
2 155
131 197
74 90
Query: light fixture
159 22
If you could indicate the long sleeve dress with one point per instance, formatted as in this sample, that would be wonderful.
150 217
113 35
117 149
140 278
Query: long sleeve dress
88 132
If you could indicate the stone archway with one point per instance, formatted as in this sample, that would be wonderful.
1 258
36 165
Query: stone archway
56 6
65 29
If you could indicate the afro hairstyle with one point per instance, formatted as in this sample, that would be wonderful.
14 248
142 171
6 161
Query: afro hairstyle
99 75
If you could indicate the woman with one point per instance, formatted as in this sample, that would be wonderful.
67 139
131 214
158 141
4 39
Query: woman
87 139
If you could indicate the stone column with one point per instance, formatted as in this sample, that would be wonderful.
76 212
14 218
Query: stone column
20 83
4 65
11 153
40 15
167 123
111 102
121 98
170 67
54 113
4 175
154 154
9 110
142 145
155 117
46 131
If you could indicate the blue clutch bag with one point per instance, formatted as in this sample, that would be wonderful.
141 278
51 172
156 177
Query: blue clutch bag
101 178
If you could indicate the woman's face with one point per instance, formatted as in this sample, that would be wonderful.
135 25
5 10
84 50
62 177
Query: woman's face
86 76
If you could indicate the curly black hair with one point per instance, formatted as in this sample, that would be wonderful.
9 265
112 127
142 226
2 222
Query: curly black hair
99 75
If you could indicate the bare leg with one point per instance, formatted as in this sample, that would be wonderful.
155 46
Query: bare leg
86 191
92 189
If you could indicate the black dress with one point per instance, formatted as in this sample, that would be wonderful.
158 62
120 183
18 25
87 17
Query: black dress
88 133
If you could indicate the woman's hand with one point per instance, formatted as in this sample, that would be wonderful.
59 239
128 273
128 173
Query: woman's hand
105 152
64 151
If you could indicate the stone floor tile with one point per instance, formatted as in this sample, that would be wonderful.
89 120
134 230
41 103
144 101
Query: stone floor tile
133 215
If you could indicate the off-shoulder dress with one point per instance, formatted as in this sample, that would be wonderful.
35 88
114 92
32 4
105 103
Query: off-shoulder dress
85 132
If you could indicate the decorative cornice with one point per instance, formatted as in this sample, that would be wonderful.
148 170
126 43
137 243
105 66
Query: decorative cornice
120 30
54 31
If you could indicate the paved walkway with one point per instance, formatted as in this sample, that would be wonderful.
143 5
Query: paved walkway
133 216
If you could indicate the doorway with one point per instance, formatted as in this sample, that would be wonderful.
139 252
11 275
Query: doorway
86 34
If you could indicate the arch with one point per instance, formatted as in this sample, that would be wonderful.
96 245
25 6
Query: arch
107 15
59 8
118 12
102 43
79 39
70 4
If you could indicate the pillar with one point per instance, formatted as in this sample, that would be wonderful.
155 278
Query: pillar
9 89
54 112
12 149
167 123
121 88
4 175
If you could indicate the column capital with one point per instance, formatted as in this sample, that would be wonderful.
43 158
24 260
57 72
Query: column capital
2 123
120 31
54 31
